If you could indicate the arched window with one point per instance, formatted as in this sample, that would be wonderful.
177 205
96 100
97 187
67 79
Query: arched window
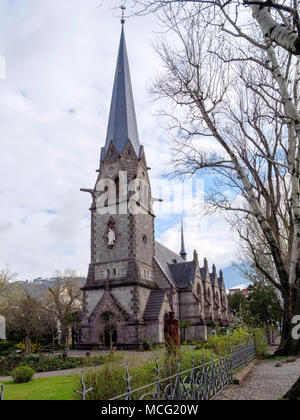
108 272
117 185
199 290
114 272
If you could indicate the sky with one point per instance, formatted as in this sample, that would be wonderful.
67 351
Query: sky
54 104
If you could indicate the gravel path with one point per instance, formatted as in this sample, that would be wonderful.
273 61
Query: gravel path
265 382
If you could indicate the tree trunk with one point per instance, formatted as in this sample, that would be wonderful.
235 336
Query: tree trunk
53 337
67 343
294 393
27 345
111 338
290 346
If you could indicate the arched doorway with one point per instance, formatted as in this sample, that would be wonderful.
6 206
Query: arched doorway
110 321
110 338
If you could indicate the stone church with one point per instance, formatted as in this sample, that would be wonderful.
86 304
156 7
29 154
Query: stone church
133 281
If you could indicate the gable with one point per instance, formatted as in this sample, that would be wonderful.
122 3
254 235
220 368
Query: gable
183 273
110 303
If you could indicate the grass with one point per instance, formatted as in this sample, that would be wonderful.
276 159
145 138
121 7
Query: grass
58 388
62 388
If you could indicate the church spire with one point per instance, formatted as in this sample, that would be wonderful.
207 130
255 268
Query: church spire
122 125
182 252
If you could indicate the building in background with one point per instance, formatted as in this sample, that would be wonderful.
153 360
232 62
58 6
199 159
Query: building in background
242 288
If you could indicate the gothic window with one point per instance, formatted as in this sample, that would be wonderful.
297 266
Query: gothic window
217 298
108 272
199 290
114 272
117 184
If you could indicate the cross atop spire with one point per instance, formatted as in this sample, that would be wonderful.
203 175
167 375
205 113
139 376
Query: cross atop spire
123 8
122 125
182 252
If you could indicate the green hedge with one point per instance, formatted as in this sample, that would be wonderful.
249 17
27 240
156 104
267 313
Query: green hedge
221 344
6 347
9 363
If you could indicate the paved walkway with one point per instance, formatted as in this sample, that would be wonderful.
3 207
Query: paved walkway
132 358
265 382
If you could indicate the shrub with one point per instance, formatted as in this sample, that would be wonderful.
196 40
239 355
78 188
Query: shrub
222 344
261 343
22 374
108 381
31 358
6 347
34 347
147 345
8 363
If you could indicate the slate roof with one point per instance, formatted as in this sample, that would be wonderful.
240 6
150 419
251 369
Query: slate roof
122 124
203 272
183 273
154 304
164 256
212 278
180 273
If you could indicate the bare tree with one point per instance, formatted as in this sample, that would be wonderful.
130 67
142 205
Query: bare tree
231 87
26 315
65 303
279 22
5 277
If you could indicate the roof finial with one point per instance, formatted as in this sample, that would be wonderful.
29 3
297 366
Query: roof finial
182 252
123 8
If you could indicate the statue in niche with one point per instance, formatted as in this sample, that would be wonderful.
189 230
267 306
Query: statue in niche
111 234
111 238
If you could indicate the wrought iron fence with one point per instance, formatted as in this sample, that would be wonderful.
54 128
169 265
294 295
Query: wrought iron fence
202 382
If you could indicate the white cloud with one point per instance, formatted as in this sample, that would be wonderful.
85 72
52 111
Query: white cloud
54 108
210 236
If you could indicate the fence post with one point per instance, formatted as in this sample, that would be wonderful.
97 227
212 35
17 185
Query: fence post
84 390
128 383
157 387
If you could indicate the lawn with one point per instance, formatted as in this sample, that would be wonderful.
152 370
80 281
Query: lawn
58 388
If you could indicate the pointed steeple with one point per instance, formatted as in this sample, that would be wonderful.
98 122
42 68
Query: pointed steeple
182 252
122 125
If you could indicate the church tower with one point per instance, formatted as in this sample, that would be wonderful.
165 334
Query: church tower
120 276
135 285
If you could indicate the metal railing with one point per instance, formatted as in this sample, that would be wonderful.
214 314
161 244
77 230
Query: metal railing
202 382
